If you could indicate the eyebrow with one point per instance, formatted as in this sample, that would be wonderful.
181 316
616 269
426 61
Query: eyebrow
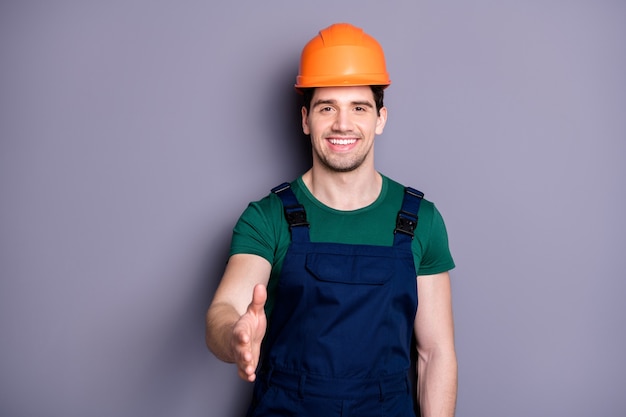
354 103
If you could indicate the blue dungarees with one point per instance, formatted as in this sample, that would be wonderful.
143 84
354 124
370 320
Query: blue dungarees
339 339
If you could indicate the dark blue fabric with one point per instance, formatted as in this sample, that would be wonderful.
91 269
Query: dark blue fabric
291 206
339 339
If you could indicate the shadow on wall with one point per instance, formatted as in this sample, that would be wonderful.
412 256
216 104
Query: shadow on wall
280 131
299 143
284 123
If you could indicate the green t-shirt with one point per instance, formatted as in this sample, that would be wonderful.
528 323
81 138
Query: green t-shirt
262 229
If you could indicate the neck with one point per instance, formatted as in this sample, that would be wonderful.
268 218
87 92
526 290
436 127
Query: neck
344 190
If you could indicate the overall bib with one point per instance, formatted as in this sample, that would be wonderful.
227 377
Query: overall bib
339 338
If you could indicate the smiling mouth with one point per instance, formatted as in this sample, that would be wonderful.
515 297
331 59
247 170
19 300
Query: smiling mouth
335 141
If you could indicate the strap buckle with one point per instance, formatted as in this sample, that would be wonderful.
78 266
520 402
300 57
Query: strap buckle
296 216
406 223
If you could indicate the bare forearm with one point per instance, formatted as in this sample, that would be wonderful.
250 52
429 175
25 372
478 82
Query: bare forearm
220 320
235 321
437 384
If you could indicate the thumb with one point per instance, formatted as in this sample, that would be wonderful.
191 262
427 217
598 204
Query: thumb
259 296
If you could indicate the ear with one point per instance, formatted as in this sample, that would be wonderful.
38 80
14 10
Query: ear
305 121
381 121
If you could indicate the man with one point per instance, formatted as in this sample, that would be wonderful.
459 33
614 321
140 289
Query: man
318 303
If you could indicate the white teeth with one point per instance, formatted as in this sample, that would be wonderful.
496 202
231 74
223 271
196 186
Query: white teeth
342 141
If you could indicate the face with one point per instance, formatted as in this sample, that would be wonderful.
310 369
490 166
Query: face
342 123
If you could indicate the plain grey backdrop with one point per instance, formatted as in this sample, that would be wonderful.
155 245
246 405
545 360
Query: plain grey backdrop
133 134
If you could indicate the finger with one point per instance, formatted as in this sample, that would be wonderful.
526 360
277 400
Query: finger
244 365
250 372
251 377
245 375
259 297
241 334
247 371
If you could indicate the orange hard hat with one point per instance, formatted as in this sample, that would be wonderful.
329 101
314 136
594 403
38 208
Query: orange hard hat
342 55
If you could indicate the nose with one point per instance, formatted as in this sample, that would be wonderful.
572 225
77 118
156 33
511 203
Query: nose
342 122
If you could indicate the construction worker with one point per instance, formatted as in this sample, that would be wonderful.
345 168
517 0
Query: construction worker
318 304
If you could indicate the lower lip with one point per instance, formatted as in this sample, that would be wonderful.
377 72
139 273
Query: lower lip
340 147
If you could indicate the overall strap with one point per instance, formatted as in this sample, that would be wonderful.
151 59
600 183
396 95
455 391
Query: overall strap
294 213
407 216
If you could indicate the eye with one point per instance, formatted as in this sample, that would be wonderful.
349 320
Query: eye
325 109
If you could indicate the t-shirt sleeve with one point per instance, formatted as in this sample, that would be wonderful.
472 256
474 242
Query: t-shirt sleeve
436 257
254 233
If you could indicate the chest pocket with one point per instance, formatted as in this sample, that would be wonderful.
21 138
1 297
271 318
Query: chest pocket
349 268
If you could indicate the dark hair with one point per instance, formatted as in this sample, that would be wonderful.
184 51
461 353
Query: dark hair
377 90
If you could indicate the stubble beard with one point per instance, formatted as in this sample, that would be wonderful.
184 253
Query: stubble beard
335 167
341 166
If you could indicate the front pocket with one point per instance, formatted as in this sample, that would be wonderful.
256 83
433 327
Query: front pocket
349 269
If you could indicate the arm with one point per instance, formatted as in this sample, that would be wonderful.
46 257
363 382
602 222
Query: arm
436 357
235 320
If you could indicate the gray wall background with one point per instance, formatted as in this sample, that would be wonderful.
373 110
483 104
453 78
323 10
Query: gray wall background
133 134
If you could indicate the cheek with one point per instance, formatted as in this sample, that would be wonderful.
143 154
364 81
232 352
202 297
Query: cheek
315 128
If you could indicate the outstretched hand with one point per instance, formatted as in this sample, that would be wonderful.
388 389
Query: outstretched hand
248 334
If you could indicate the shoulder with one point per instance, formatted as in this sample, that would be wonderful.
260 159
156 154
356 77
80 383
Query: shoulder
395 192
431 253
268 204
430 224
265 213
261 228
